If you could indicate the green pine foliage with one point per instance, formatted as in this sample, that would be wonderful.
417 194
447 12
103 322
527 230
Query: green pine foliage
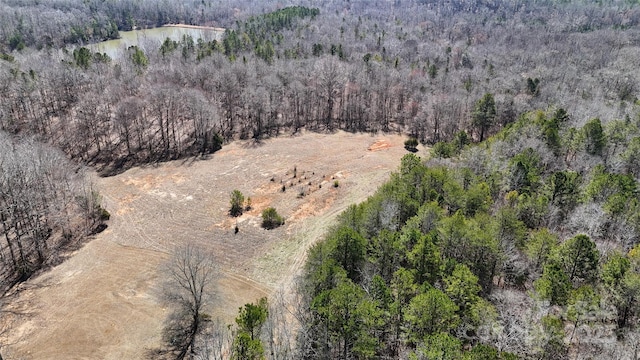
271 219
246 343
420 259
236 203
262 33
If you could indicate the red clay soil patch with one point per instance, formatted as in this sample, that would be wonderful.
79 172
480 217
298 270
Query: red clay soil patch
380 144
314 205
104 303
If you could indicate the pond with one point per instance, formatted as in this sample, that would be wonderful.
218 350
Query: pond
151 39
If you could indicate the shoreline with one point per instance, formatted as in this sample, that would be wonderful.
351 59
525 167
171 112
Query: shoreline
195 27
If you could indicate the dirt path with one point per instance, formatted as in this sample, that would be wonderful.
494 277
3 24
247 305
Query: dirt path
103 302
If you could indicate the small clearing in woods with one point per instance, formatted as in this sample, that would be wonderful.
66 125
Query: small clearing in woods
103 303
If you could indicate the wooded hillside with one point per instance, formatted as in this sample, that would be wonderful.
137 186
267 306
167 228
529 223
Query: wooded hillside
525 245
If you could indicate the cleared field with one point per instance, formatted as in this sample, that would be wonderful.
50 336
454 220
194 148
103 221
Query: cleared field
103 303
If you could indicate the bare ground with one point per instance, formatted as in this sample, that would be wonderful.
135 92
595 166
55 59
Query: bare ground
103 302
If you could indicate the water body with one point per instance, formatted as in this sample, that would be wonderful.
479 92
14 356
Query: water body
151 39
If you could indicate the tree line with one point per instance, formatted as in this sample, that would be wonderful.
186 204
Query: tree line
452 257
46 203
388 68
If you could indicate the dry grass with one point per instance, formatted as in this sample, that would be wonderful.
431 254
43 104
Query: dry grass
103 301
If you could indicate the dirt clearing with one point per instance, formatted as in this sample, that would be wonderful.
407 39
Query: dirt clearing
103 302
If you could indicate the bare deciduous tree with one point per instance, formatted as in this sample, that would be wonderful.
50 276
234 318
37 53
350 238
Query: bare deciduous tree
189 288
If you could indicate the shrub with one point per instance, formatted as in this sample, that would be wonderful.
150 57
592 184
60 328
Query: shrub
443 150
104 214
237 203
271 219
411 144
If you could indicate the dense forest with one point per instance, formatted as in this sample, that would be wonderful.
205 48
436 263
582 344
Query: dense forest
525 245
518 238
413 67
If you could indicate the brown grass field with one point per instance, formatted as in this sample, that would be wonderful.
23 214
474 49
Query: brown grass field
104 303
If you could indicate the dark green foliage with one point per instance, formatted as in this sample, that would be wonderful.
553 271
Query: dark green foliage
441 346
595 139
411 144
317 49
168 46
322 271
532 209
138 58
207 48
427 217
631 157
443 149
510 230
349 317
260 33
188 46
621 278
207 142
425 258
627 299
564 189
6 57
575 262
237 203
104 215
614 270
271 219
616 190
541 245
82 57
433 241
579 258
347 247
245 348
247 344
583 303
553 346
101 58
560 116
551 131
447 149
525 171
430 313
462 288
251 318
533 86
387 251
554 285
16 42
403 238
461 140
482 352
484 114
433 71
471 242
477 199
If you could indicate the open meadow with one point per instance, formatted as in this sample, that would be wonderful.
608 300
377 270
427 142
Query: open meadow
104 301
